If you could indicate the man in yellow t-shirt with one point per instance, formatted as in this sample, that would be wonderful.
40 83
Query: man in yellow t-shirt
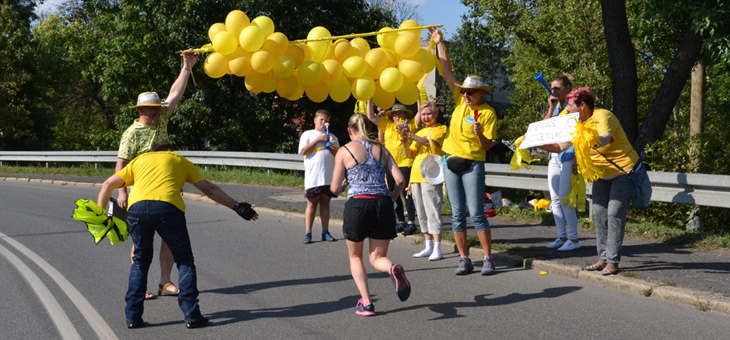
150 128
155 205
397 121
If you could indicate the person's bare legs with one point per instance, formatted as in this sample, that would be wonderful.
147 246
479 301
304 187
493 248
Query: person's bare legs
324 211
379 255
357 269
166 263
461 244
310 212
485 238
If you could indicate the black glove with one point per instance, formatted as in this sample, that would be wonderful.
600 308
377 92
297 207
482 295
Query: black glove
244 210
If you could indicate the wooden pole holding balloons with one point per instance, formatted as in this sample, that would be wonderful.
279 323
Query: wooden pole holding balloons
321 65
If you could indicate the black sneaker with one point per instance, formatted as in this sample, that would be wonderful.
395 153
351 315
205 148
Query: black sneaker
399 227
133 325
202 322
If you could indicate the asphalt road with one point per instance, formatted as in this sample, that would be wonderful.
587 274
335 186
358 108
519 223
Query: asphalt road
258 281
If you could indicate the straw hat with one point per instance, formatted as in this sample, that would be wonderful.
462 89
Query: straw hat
149 99
399 108
432 169
474 82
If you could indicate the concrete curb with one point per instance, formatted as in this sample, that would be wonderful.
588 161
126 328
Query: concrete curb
698 300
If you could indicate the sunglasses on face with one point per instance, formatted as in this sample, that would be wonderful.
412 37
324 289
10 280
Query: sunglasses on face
467 92
556 89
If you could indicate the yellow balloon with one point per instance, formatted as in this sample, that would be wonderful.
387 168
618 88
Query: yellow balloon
382 98
363 88
408 94
284 66
224 43
360 47
214 29
256 82
341 50
216 65
235 22
392 60
265 24
354 67
317 92
277 43
320 49
240 62
298 52
340 90
331 71
299 93
391 79
376 61
271 84
412 70
428 59
408 24
262 61
309 73
287 87
251 38
386 38
407 44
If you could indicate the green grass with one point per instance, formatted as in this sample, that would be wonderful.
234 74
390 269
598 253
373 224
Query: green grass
83 170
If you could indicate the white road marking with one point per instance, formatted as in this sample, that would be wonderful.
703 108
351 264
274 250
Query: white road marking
54 309
97 323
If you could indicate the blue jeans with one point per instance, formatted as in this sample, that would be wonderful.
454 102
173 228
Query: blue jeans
466 189
144 218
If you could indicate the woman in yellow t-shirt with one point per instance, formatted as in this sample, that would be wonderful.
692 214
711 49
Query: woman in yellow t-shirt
612 192
426 197
397 121
471 131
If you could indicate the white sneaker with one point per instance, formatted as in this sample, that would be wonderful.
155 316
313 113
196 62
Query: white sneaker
556 244
569 245
424 253
435 256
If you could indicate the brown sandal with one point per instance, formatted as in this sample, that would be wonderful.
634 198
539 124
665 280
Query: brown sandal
165 291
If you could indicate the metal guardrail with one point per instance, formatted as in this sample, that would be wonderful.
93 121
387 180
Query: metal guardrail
671 187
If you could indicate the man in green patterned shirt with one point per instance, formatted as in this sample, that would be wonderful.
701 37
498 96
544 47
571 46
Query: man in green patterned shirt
150 128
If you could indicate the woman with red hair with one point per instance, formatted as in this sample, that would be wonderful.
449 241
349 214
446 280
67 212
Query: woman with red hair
612 192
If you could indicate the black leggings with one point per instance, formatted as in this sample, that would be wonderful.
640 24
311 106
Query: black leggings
406 171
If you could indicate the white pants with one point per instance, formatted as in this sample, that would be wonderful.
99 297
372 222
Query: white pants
560 184
428 198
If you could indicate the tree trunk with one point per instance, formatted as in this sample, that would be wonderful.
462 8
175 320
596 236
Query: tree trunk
675 78
623 65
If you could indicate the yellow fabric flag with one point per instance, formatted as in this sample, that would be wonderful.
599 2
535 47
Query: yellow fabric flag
577 197
422 90
432 48
585 138
520 158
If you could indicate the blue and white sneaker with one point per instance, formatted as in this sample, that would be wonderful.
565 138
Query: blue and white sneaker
326 236
488 267
362 310
307 238
402 286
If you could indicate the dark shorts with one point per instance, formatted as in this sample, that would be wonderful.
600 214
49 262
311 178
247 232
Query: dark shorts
320 190
369 218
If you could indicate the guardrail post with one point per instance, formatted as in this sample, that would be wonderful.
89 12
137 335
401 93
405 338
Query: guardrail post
96 165
47 165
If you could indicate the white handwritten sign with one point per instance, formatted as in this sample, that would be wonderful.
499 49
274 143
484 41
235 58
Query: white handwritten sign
549 131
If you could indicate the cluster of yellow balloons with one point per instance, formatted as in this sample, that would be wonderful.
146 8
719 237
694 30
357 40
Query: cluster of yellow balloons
320 67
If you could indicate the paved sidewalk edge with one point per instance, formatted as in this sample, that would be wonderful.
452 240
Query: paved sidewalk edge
698 300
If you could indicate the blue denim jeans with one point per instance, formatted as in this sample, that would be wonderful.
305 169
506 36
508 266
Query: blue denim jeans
144 218
466 189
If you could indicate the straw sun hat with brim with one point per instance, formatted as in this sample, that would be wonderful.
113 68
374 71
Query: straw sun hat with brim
149 99
399 108
474 82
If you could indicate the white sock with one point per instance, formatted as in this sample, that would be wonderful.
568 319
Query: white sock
429 245
437 247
